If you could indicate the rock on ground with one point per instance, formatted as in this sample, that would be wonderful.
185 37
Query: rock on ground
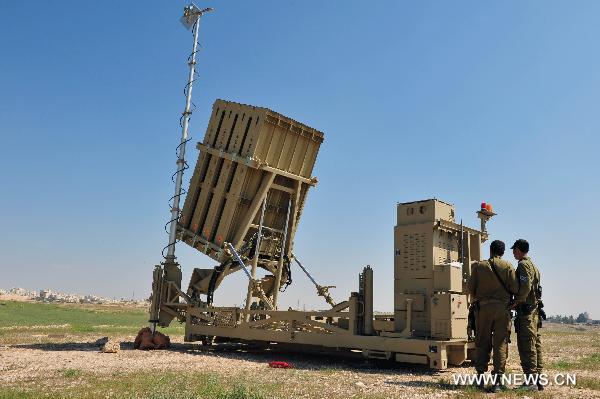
111 346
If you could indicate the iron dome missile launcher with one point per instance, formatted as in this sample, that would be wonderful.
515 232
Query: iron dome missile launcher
243 206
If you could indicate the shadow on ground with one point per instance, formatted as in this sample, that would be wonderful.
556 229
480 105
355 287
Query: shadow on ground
60 346
303 360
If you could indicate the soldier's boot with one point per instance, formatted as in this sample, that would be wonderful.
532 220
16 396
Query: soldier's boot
539 384
528 385
480 382
498 385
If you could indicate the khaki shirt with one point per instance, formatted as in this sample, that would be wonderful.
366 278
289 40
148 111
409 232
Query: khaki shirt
484 285
528 277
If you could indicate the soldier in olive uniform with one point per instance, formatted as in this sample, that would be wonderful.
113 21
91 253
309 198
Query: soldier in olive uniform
528 320
491 286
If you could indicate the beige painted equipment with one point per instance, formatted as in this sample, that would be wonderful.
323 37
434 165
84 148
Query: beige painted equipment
432 258
249 154
242 209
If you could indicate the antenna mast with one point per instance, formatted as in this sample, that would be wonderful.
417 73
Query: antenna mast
169 271
191 20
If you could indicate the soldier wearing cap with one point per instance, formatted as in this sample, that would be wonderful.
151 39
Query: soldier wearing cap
491 286
527 304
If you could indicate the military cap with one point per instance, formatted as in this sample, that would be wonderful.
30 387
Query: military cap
522 245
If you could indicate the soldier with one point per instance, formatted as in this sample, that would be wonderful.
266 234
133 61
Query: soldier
527 304
491 286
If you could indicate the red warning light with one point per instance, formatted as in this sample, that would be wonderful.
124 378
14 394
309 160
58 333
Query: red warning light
483 205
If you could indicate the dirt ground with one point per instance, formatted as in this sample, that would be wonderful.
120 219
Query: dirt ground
24 363
44 356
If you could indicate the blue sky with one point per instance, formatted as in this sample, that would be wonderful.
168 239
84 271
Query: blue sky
464 101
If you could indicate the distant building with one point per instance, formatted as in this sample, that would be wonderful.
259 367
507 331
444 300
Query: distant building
22 292
47 295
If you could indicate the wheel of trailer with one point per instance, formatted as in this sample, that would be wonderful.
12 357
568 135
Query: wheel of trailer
207 340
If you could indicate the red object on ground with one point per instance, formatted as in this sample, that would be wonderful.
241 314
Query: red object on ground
281 365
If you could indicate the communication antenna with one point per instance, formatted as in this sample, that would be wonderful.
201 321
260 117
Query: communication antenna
190 20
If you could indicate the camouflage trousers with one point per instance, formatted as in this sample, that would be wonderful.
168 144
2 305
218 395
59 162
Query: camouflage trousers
529 343
492 332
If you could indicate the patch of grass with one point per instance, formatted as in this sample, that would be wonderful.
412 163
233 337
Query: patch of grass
591 362
75 318
589 383
369 396
10 394
573 332
70 373
562 365
156 385
36 313
78 328
472 392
